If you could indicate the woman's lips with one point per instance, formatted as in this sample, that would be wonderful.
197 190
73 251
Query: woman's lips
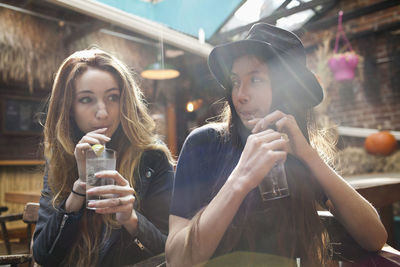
100 127
247 115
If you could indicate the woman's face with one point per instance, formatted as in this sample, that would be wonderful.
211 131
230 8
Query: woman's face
96 101
251 89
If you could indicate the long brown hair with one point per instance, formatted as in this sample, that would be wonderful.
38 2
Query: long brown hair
134 135
299 230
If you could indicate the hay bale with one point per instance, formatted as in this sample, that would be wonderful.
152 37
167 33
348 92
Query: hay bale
355 160
392 163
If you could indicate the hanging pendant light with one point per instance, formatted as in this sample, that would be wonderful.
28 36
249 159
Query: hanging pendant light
159 70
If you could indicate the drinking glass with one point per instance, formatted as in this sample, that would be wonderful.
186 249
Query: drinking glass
274 185
96 163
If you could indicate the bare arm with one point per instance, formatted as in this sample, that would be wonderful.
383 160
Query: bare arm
213 223
257 159
355 213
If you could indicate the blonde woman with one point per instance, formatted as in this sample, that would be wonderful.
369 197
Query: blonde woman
95 100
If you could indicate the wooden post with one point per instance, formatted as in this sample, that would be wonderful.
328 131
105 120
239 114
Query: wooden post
171 126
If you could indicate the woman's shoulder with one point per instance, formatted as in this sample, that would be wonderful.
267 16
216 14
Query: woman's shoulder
152 163
154 155
212 132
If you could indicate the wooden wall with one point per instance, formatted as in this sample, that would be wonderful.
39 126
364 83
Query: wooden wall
24 146
19 178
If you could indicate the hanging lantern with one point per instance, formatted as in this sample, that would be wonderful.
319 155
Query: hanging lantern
343 65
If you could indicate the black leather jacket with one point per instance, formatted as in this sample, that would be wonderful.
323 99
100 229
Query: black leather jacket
56 230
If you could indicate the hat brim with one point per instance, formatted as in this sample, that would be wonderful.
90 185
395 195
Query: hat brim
308 90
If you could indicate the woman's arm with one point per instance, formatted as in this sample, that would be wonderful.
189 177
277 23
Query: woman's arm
156 180
55 230
352 210
259 155
355 213
213 223
147 222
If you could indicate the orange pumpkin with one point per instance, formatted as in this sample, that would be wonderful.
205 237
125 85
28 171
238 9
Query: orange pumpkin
380 143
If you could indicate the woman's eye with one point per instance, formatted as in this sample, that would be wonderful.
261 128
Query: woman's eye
114 97
256 80
235 84
85 100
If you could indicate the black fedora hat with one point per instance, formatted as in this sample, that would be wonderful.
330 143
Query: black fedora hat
270 42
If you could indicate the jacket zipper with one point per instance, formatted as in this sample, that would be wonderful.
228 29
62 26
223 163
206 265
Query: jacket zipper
142 247
64 219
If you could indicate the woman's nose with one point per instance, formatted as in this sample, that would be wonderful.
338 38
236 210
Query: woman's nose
243 94
101 112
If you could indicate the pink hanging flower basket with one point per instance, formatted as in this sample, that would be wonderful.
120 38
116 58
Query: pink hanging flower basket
343 65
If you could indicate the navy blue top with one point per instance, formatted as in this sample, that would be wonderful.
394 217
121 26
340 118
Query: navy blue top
206 161
205 157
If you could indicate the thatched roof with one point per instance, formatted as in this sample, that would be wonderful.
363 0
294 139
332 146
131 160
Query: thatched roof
31 49
135 55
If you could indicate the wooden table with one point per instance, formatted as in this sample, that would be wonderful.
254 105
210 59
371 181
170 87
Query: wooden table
22 197
386 257
382 190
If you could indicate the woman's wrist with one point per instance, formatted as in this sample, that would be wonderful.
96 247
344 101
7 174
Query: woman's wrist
77 187
77 193
76 198
239 183
131 224
74 203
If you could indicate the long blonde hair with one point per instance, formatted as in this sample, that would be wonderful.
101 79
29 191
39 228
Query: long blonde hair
135 135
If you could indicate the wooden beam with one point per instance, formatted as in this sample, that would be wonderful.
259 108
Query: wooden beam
227 19
362 132
137 24
330 21
22 197
171 125
270 19
385 27
21 162
284 5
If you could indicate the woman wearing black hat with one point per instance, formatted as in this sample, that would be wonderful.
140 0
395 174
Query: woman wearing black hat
216 206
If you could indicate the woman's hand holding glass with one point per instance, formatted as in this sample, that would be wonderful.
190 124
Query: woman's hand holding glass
74 201
91 138
261 152
122 202
286 125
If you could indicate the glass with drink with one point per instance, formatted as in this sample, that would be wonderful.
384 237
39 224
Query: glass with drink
99 160
274 185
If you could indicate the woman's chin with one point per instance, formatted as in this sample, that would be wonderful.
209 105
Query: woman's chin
111 131
247 125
